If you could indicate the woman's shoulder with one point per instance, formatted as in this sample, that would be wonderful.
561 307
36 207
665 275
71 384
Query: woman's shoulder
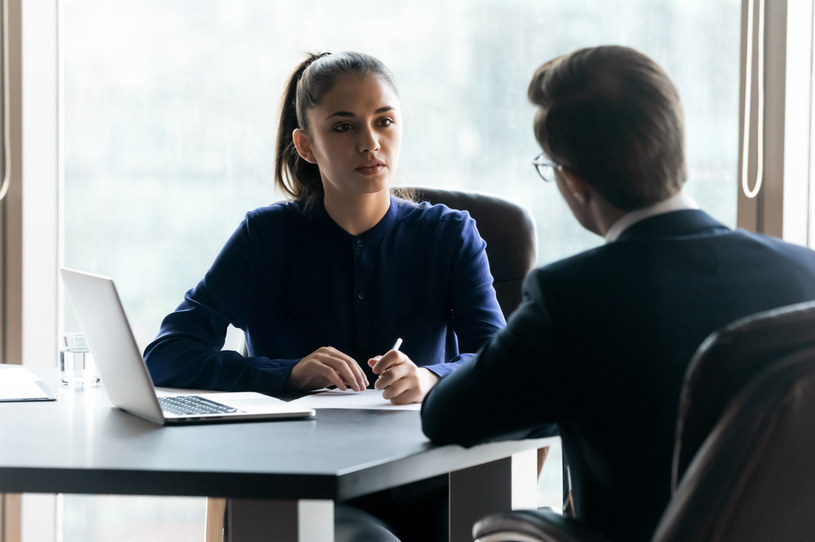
412 211
276 212
275 221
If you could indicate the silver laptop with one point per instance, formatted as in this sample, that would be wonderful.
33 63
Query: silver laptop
125 376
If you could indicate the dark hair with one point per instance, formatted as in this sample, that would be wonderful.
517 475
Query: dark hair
311 80
613 116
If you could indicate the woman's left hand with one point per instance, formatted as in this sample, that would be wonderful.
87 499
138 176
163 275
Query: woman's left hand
401 380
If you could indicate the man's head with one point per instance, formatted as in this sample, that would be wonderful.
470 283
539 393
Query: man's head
611 116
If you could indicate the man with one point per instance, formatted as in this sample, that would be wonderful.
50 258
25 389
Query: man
601 342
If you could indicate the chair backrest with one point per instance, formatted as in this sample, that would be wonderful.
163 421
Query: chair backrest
507 228
752 478
743 463
726 362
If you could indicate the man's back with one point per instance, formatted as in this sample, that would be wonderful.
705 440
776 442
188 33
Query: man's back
600 346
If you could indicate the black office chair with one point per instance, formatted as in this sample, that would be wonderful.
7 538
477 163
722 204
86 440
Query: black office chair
745 440
507 228
509 231
726 362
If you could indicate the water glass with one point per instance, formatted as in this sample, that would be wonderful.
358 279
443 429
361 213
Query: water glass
76 367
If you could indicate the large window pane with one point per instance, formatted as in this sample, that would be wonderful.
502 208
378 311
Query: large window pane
130 519
170 113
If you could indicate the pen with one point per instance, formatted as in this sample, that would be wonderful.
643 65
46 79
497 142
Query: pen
397 344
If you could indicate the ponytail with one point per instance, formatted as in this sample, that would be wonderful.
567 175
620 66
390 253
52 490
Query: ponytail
294 176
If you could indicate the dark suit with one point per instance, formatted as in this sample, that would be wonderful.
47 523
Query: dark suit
600 346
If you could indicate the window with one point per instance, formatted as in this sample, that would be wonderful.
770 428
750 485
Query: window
168 118
170 113
775 161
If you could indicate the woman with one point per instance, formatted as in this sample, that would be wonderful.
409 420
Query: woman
324 283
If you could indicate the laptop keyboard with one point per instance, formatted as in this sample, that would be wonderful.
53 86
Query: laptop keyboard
186 405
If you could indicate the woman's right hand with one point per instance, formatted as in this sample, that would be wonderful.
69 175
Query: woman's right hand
325 367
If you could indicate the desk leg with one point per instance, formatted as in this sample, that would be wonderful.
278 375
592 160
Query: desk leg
214 526
509 483
284 521
11 517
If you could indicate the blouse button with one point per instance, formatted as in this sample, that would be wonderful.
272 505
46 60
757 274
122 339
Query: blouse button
361 295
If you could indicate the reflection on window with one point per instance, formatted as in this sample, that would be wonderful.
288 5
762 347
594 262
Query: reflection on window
130 519
170 115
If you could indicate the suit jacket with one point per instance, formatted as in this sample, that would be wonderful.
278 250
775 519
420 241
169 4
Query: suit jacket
600 345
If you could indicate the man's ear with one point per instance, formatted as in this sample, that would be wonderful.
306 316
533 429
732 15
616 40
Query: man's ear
580 189
303 145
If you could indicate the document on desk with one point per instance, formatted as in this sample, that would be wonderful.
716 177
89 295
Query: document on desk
363 400
19 384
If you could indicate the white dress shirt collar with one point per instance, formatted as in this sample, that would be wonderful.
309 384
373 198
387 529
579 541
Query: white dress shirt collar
676 202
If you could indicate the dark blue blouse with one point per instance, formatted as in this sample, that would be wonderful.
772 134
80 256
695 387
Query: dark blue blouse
295 281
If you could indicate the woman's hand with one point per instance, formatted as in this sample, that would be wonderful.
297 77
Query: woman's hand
324 367
401 380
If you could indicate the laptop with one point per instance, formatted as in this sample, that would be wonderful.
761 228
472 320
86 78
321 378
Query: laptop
126 379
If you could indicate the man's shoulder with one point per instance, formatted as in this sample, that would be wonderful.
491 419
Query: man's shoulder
644 255
590 260
772 241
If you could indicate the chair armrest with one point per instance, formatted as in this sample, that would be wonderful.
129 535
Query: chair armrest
542 525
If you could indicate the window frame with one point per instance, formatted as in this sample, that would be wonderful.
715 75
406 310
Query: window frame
30 298
783 206
11 242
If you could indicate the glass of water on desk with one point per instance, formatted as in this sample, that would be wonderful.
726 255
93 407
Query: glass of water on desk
76 367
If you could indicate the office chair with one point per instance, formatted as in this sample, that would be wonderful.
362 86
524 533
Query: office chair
744 443
725 363
509 231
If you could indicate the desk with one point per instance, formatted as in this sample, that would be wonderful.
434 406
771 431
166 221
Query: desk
280 477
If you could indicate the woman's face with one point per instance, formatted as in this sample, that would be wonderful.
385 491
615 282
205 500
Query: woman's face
354 136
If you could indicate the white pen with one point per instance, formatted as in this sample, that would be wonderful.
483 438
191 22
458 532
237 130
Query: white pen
395 346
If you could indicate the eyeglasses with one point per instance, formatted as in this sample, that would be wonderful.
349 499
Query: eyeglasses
545 167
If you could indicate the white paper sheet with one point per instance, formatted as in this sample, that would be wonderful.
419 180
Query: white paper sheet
19 384
366 399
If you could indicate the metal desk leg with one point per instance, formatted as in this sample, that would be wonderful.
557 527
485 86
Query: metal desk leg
509 483
286 521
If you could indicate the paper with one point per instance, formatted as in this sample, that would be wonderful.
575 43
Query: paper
366 400
19 384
